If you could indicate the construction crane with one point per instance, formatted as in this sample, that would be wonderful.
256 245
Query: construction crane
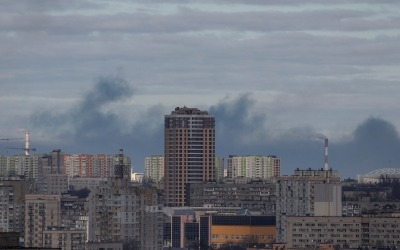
9 139
27 150
27 143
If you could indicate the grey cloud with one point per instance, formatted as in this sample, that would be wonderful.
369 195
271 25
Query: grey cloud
318 68
233 116
239 119
373 144
87 120
41 6
193 20
279 57
87 128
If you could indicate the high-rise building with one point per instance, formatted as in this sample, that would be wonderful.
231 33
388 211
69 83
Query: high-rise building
189 151
154 168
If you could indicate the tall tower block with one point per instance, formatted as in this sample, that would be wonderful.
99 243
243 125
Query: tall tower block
189 151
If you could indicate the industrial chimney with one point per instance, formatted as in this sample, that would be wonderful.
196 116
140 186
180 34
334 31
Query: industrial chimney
27 149
326 167
321 136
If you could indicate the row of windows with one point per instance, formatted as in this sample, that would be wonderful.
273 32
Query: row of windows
242 237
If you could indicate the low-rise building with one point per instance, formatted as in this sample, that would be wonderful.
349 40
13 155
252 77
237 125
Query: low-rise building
244 230
307 193
104 245
253 194
202 228
306 232
58 237
77 183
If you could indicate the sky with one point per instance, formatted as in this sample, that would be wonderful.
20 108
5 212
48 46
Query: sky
88 76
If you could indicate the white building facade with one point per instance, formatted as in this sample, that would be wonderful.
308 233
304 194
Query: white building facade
154 168
253 166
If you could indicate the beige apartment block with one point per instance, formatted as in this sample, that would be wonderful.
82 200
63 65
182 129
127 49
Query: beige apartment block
254 166
41 213
352 232
64 239
120 211
307 193
154 168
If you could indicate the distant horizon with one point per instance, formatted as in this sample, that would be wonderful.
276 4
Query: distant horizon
289 174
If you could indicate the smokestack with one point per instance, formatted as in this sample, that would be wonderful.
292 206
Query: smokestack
321 136
326 167
27 142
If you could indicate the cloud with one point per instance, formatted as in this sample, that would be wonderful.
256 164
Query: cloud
90 127
308 67
233 117
373 144
86 119
241 129
188 19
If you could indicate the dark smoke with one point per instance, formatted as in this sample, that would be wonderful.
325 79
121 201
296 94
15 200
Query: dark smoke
375 144
87 129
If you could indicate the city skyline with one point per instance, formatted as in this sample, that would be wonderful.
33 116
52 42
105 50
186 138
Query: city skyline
93 77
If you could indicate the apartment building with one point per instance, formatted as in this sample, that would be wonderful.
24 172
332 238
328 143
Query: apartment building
154 168
12 204
59 238
26 166
41 212
253 194
98 165
307 193
77 183
122 212
189 151
71 233
307 232
254 166
219 169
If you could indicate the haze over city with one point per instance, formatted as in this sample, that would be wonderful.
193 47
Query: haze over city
96 76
